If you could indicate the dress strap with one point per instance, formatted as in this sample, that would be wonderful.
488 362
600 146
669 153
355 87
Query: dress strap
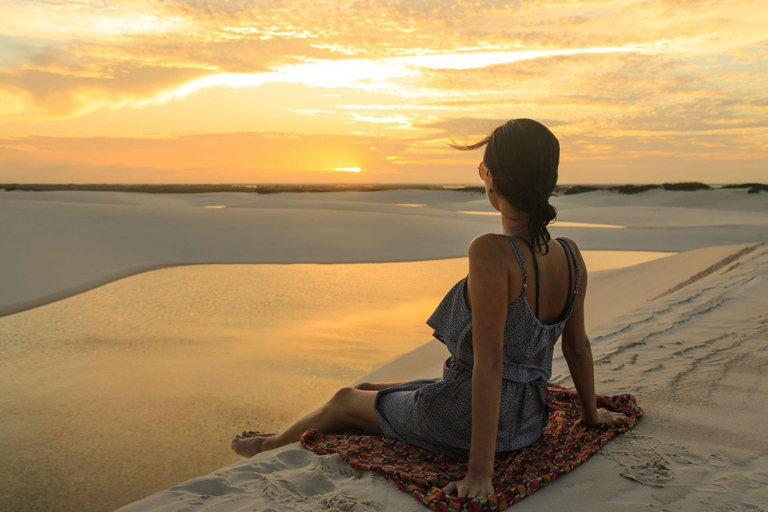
568 296
536 271
577 271
519 260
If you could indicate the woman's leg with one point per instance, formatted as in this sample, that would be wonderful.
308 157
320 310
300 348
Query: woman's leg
349 408
253 433
376 386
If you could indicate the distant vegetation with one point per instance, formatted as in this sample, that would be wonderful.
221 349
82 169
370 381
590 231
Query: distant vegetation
578 189
201 189
632 189
686 185
754 188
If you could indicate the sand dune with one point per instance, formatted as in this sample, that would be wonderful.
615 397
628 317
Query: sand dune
98 237
694 357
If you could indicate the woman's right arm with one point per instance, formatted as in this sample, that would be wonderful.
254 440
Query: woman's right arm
578 354
577 348
581 366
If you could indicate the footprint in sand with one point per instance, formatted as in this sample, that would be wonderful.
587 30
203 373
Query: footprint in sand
652 472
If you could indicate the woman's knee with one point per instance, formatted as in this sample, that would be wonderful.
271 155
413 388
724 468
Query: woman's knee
365 385
341 398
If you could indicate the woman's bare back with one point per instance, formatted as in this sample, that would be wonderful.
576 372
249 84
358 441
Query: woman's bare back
551 274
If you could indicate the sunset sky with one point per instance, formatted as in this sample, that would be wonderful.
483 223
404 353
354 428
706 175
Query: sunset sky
370 92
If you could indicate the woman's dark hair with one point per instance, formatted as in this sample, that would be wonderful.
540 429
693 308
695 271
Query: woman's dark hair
522 155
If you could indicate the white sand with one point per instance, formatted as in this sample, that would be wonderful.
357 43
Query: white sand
685 334
58 244
695 359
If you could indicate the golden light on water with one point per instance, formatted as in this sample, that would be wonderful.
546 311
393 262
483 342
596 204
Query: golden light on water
557 224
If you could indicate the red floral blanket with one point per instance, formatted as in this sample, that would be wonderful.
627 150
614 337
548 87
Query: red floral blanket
565 444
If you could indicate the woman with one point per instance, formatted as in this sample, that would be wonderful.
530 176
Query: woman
492 396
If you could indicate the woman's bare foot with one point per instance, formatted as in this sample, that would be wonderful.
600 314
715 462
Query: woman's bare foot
249 446
255 433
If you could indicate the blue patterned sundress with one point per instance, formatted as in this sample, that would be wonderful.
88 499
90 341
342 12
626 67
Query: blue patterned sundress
436 414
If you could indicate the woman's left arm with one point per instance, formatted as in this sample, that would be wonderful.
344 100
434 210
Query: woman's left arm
486 399
489 296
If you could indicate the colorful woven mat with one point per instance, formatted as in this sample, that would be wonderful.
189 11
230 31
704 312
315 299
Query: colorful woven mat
565 443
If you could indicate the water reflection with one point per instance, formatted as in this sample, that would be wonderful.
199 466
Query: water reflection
557 223
607 260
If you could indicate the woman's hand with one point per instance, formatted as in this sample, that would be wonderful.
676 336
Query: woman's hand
474 485
605 417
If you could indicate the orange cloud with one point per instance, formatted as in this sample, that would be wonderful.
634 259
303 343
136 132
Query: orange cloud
670 78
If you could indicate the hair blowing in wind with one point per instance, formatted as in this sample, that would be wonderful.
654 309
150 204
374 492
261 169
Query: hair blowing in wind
522 156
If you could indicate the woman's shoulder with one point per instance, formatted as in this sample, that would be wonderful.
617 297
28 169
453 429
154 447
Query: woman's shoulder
486 245
576 253
570 241
488 255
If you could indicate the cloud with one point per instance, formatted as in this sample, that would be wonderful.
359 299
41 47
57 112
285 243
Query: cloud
669 77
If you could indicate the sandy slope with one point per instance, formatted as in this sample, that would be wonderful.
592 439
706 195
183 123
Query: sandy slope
694 356
63 243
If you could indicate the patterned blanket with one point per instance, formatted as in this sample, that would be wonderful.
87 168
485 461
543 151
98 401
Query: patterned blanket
565 443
